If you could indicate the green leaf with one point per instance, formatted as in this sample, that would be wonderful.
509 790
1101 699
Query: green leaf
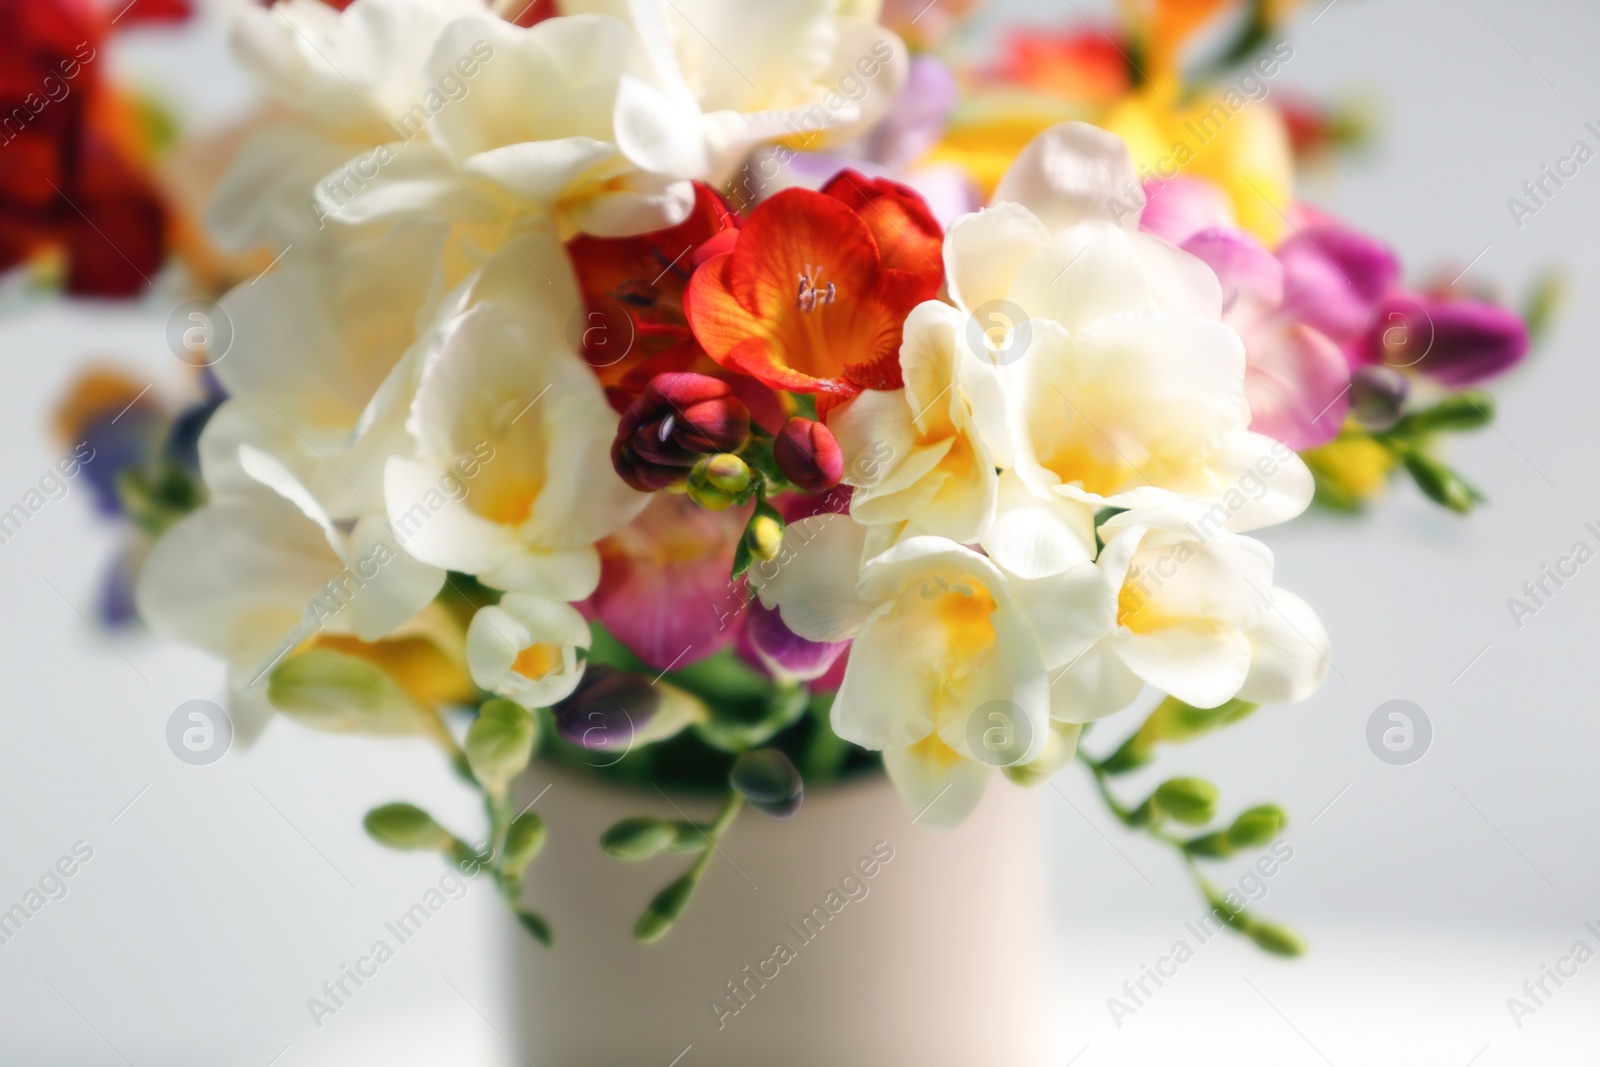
500 743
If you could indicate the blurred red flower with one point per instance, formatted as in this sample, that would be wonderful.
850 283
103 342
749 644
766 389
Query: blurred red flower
69 182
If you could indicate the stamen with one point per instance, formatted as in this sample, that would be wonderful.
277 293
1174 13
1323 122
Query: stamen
810 293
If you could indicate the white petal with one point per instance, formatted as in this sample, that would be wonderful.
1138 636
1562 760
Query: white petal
1266 483
940 787
814 581
1289 657
983 251
1069 611
499 634
393 584
1199 668
567 574
1074 172
658 133
1093 686
889 692
235 577
439 529
1034 536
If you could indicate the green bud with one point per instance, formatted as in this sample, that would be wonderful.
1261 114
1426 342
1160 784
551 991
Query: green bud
1213 846
1275 939
1191 801
720 481
768 780
1439 483
1463 411
407 826
689 837
500 742
638 838
1257 826
534 923
330 690
667 907
765 537
524 838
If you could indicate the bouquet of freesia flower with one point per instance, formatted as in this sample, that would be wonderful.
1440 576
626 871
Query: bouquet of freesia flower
723 396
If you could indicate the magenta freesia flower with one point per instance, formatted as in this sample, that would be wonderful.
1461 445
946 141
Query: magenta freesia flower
1325 302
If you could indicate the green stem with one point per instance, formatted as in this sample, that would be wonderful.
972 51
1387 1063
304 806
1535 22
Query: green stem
730 811
1235 918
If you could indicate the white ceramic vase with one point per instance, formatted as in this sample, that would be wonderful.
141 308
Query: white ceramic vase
901 946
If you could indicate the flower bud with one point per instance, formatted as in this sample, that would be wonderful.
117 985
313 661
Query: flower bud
719 482
615 711
637 838
765 537
769 782
1275 939
407 826
782 651
1378 396
1191 801
607 710
666 908
1257 826
679 418
808 455
500 742
524 838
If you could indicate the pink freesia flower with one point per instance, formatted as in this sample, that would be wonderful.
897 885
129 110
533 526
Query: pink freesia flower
1296 308
664 581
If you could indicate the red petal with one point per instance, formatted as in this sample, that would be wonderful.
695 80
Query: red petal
909 237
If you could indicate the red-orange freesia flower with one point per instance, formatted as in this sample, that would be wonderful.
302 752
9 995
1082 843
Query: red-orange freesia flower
807 300
633 326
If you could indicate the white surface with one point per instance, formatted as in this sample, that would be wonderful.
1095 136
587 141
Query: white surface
206 918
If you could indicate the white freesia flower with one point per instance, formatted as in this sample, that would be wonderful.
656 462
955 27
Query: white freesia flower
501 393
1120 385
563 118
1196 617
257 574
526 649
914 454
321 367
340 84
948 670
816 72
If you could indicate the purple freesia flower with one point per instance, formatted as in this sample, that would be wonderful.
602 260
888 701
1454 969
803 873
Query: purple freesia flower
1325 302
769 642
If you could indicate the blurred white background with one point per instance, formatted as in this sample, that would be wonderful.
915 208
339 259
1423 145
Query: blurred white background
219 898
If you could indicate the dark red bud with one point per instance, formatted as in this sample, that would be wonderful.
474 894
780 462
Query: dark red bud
809 455
677 419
